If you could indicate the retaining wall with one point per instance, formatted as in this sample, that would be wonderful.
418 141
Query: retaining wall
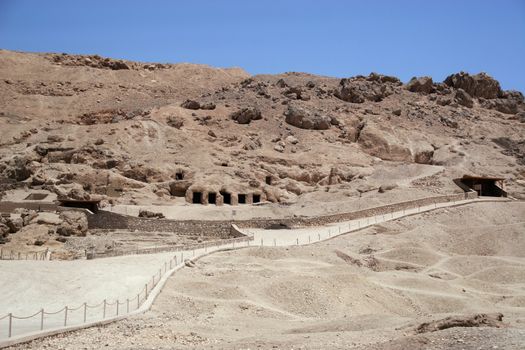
108 220
223 229
9 207
385 209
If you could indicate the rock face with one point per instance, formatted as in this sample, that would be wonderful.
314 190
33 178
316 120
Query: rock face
479 85
359 89
74 223
511 103
464 99
304 119
389 145
246 115
423 85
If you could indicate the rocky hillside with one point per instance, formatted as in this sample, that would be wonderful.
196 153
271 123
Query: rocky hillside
140 133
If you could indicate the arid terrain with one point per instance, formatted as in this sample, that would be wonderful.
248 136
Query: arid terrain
368 290
193 142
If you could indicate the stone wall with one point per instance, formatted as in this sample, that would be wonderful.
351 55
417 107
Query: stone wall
225 229
108 220
327 219
9 207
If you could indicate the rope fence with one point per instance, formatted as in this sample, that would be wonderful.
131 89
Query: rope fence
13 255
12 325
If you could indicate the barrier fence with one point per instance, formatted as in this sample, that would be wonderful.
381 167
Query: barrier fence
13 255
12 326
15 326
163 249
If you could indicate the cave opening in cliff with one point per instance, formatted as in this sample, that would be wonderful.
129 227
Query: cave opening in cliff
242 198
256 198
484 186
197 198
226 197
212 198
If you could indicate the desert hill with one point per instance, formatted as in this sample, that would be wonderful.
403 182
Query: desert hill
141 133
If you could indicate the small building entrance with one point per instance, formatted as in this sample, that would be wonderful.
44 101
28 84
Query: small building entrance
212 198
485 186
226 197
197 198
241 198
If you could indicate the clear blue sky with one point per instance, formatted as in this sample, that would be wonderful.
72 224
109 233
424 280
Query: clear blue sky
336 38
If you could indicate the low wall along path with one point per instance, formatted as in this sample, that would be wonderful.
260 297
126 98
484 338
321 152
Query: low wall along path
19 328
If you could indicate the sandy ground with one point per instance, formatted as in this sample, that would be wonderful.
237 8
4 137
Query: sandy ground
26 286
367 289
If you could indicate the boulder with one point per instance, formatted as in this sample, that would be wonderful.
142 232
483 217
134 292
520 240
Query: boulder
423 85
14 224
476 320
463 98
78 194
74 223
246 115
27 215
191 104
208 106
150 214
423 153
175 121
292 140
479 85
4 233
304 119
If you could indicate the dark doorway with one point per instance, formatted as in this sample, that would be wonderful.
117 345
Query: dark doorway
256 198
179 176
227 197
485 186
197 198
36 197
242 199
91 205
212 198
269 180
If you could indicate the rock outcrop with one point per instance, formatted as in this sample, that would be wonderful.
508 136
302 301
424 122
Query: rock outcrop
304 119
478 85
373 88
423 85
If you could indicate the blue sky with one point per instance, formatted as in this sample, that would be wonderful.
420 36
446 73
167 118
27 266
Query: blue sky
404 38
